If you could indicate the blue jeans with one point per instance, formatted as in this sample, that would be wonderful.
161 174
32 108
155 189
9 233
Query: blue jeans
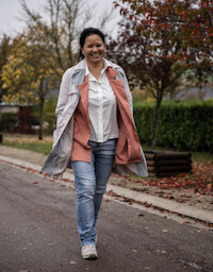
90 182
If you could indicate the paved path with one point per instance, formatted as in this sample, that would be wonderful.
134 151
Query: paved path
34 160
38 232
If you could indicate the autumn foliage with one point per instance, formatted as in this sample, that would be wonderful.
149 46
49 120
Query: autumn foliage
189 20
160 40
199 181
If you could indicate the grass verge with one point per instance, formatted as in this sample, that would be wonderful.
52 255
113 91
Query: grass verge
43 148
199 180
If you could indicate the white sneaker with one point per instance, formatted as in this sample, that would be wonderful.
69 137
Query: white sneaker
89 252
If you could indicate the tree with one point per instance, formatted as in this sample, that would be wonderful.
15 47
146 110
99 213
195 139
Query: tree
45 50
60 32
159 40
27 75
5 48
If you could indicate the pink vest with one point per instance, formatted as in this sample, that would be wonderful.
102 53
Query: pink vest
128 145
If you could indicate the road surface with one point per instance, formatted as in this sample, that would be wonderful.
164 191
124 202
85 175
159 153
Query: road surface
38 233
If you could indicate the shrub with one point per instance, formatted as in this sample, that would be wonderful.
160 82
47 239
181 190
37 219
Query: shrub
9 121
185 125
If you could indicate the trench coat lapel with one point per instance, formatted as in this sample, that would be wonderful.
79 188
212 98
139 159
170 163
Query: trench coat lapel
120 93
128 145
84 96
116 84
111 73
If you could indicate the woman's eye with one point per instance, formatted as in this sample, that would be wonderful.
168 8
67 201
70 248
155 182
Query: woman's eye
91 46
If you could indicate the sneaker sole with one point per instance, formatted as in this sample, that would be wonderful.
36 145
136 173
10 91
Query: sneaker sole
90 256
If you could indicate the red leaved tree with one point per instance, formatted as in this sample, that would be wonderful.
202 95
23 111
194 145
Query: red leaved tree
159 40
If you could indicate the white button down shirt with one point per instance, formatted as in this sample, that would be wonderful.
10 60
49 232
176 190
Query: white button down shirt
102 108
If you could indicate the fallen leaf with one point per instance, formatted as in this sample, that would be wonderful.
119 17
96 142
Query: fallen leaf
73 262
51 180
194 265
140 214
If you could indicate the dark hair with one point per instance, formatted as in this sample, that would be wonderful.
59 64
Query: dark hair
87 32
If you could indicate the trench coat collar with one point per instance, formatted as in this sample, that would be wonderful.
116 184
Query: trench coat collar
111 66
111 73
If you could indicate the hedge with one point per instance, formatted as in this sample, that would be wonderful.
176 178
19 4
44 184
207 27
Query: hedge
185 125
8 122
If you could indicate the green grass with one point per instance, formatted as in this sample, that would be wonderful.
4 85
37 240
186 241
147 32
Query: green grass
202 156
44 148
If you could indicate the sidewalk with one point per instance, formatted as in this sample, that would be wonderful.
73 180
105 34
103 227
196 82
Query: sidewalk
182 202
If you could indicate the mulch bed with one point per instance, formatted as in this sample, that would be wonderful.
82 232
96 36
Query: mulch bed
200 180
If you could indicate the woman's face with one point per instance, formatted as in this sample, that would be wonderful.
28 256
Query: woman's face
93 49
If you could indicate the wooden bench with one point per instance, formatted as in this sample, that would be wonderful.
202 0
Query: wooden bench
168 163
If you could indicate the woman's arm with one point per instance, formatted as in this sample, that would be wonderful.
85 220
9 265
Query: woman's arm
63 92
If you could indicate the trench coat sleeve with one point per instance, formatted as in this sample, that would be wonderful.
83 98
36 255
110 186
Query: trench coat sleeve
59 157
65 92
127 89
65 88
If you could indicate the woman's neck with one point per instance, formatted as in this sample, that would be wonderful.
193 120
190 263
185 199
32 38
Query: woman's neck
95 69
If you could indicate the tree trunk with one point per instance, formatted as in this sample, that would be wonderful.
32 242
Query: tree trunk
156 121
41 113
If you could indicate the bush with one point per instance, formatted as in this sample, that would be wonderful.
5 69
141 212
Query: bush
9 121
50 118
49 115
185 125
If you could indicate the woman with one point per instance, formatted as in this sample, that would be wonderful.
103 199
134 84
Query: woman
95 128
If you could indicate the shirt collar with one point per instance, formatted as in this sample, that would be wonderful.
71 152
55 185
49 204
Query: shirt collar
106 65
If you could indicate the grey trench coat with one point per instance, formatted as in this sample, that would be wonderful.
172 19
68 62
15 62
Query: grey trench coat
59 158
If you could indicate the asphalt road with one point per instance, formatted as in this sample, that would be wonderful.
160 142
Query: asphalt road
38 233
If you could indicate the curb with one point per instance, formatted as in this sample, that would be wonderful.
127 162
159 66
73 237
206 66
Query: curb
140 198
167 205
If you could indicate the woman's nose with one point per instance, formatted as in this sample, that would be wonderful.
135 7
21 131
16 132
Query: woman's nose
95 49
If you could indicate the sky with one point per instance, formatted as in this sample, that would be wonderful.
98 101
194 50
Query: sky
10 11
